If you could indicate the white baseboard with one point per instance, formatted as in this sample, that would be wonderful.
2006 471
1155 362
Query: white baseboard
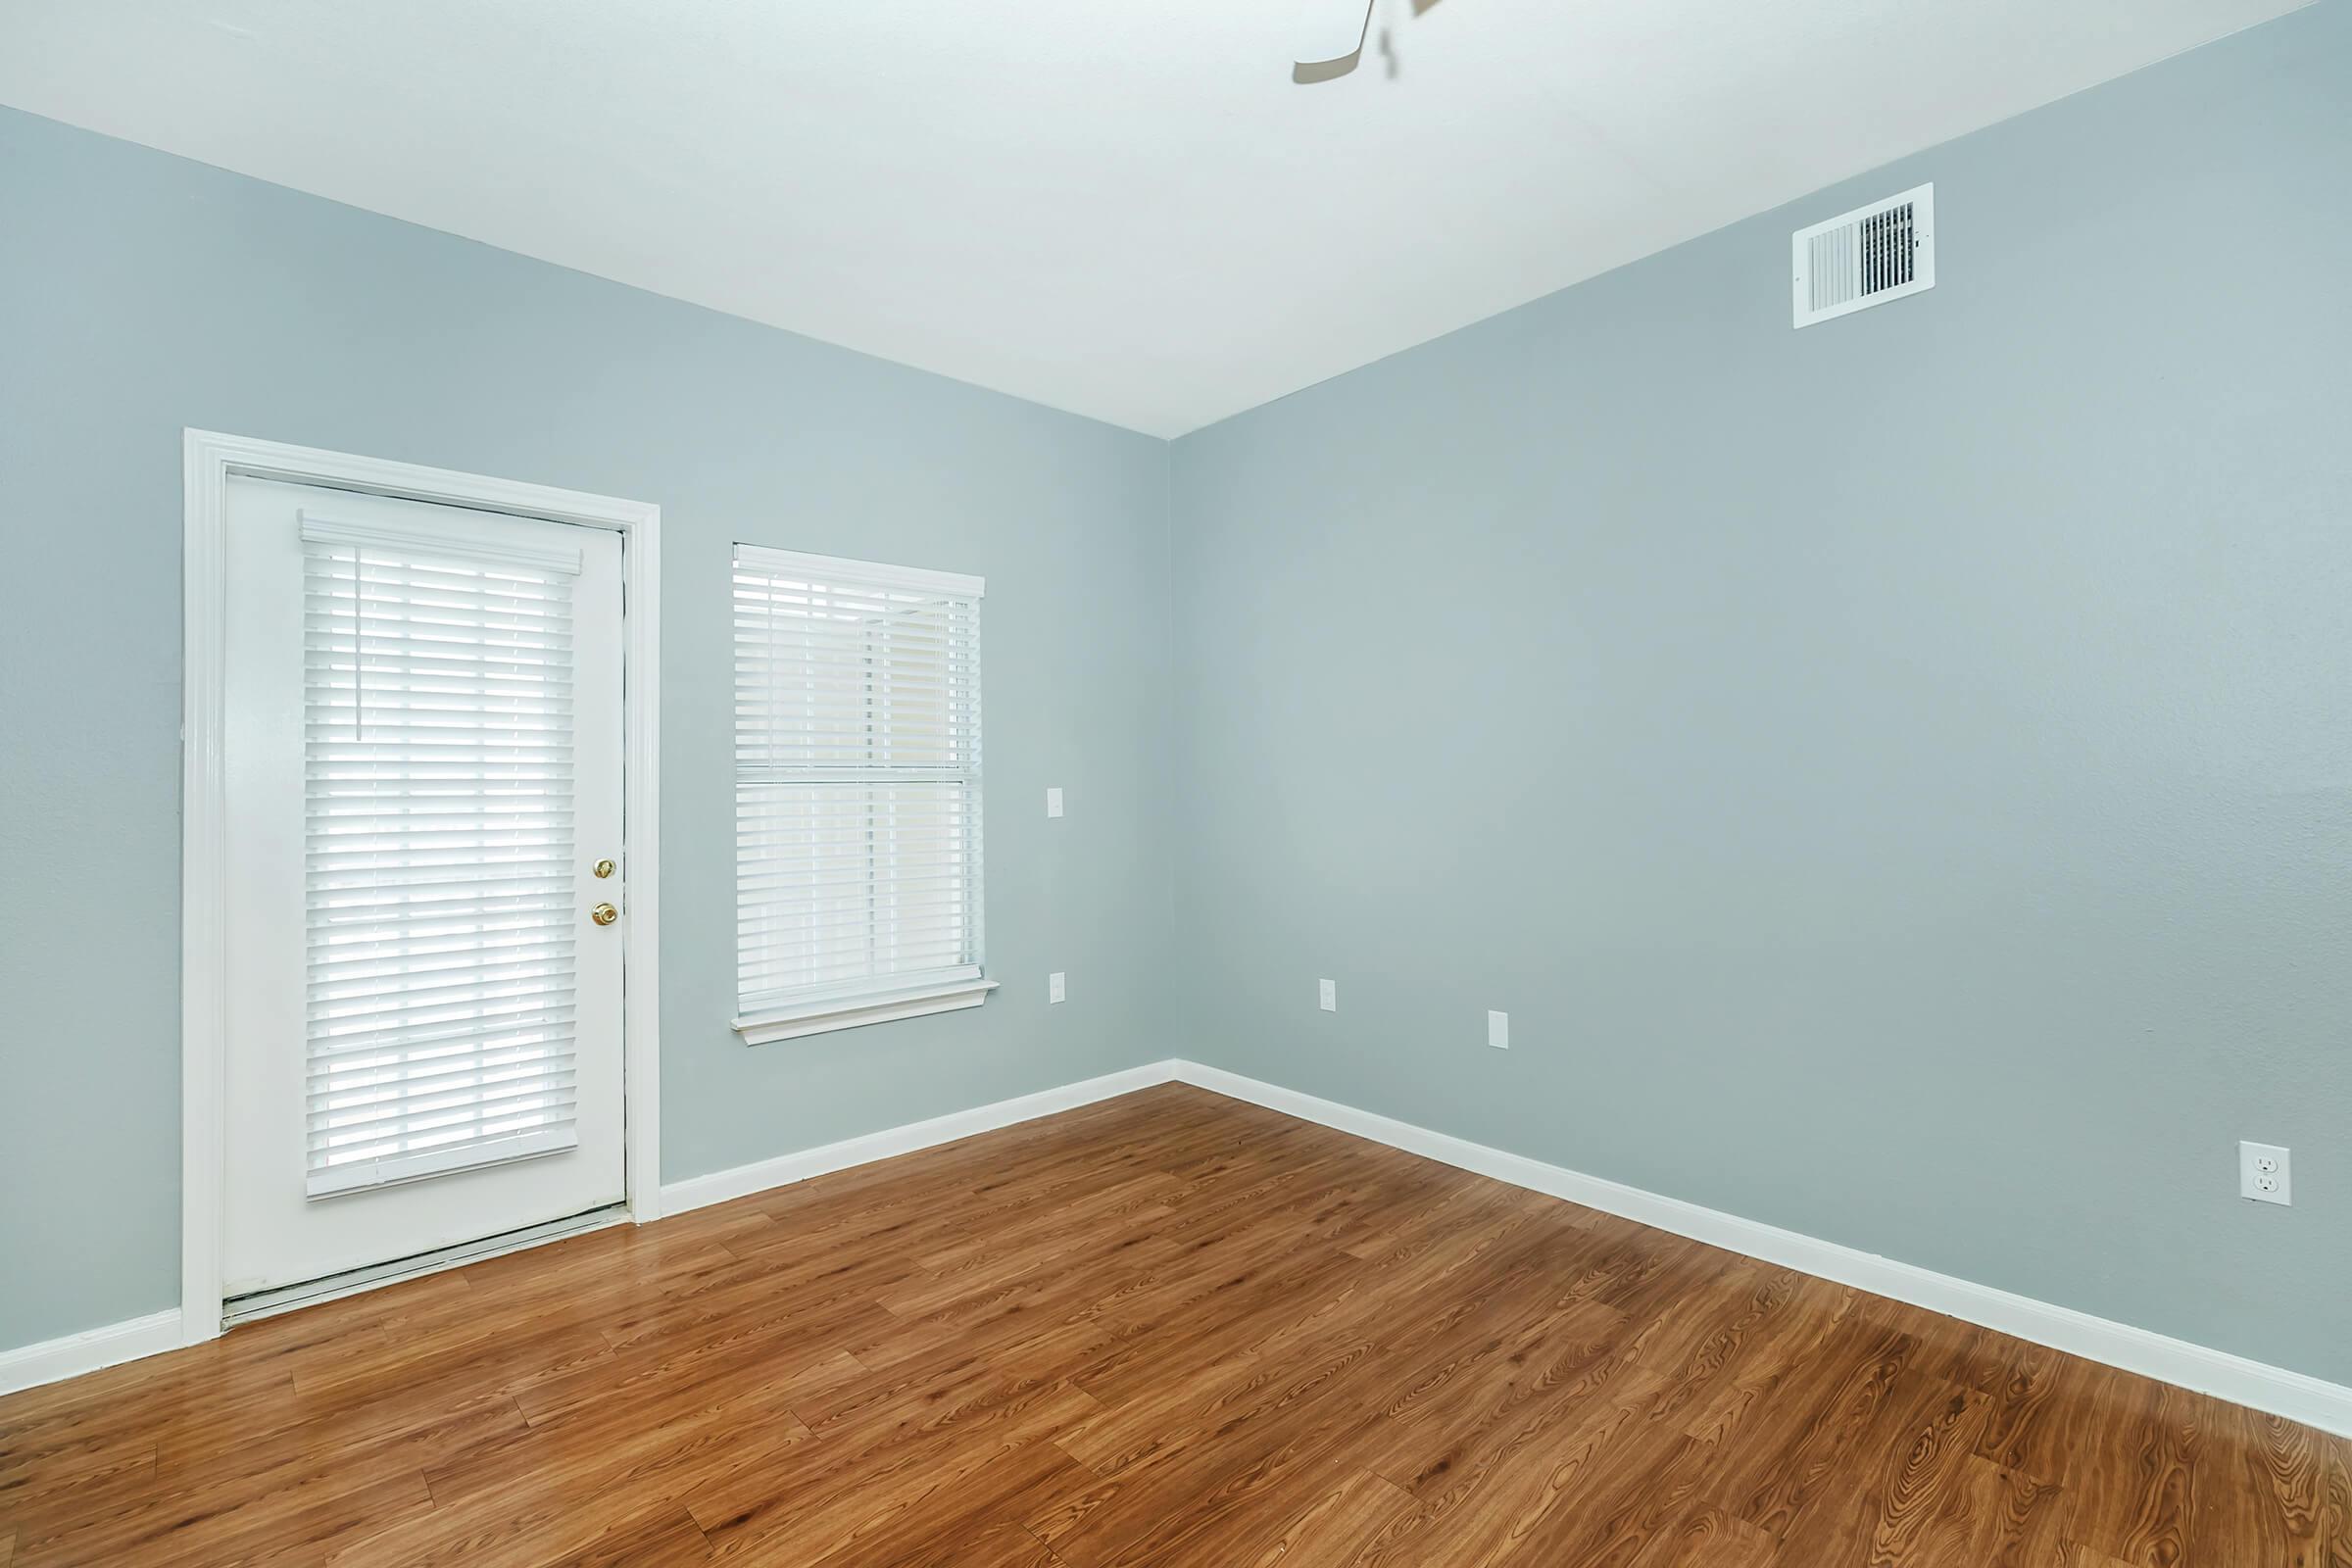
697 1192
52 1360
2293 1395
2254 1384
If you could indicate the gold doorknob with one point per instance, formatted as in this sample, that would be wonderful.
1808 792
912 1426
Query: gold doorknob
604 914
606 869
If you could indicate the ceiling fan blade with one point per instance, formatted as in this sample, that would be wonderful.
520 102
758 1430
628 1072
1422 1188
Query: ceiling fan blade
1308 71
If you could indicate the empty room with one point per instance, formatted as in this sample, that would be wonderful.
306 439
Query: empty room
1229 784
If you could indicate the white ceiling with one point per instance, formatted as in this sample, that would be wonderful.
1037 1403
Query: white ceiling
1118 207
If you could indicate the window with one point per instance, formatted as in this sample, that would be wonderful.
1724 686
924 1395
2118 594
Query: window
857 793
438 793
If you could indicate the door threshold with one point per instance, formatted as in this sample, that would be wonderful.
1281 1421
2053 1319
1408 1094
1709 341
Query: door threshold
256 1304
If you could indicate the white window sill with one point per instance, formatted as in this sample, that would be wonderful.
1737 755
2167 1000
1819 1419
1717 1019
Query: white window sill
848 1012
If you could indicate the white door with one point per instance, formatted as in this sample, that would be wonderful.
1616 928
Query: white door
424 761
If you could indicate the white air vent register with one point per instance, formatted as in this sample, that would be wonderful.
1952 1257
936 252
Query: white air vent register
1866 256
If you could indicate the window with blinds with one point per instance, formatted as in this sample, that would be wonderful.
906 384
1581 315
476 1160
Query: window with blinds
857 789
439 855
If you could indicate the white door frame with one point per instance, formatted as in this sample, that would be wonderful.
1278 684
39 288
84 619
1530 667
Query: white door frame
210 460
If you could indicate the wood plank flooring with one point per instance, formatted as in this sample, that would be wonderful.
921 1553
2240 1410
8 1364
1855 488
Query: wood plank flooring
1168 1329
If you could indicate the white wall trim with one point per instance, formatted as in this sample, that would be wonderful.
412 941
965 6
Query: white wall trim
209 459
2293 1395
851 1013
54 1360
828 568
699 1191
2254 1384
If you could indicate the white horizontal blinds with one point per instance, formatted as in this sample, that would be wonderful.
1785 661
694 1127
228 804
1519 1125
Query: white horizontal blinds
439 855
857 778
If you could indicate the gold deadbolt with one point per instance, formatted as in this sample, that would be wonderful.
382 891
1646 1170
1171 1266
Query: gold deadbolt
604 914
606 869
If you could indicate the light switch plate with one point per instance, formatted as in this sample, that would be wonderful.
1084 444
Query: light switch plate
1330 995
1499 1030
1053 802
1055 990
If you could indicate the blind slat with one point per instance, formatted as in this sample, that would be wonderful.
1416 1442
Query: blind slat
857 778
439 860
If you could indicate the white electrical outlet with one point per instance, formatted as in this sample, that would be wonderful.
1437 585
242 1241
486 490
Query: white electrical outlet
2264 1174
1331 994
1055 990
1052 802
1499 1030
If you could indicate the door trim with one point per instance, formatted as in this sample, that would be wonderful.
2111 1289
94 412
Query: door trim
258 1304
208 460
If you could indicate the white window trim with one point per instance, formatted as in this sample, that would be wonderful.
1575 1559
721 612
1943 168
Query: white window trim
941 582
208 460
851 1009
848 1012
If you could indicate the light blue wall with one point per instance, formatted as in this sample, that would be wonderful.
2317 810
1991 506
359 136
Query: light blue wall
140 293
1898 776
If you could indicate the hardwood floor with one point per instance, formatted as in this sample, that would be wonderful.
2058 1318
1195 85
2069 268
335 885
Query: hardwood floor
1169 1329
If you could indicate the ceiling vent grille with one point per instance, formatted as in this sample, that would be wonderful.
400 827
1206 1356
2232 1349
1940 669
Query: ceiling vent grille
1866 256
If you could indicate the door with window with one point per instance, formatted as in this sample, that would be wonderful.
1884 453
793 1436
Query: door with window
424 762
